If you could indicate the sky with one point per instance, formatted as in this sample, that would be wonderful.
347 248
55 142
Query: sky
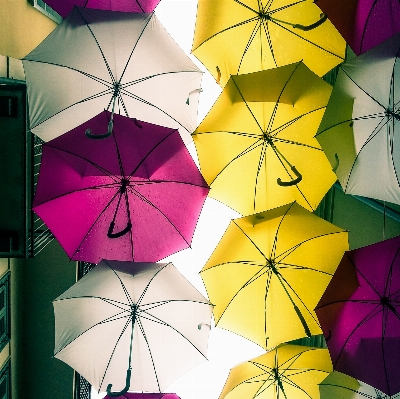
225 349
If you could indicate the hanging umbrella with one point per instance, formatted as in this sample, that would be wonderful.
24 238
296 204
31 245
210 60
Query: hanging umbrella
288 371
359 315
145 395
363 23
360 128
135 195
64 7
131 326
256 146
236 37
341 386
123 62
275 265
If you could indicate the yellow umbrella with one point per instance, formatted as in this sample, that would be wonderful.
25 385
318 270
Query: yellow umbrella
287 372
256 146
268 272
233 36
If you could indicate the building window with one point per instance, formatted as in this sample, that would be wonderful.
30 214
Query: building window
46 10
5 382
5 330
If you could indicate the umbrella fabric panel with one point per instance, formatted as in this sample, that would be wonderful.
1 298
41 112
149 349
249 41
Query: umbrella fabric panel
266 35
146 395
64 7
104 69
96 342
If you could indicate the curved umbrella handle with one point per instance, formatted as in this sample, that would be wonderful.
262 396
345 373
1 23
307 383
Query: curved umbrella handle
110 233
292 182
125 390
323 18
89 134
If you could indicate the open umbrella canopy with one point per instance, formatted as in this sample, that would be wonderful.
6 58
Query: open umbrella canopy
135 195
341 386
256 146
359 315
64 7
235 37
360 129
274 265
363 23
123 62
288 371
131 326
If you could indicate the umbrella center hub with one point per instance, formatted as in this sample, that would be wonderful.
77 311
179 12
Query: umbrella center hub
395 115
264 15
386 302
134 310
272 265
267 138
124 184
117 88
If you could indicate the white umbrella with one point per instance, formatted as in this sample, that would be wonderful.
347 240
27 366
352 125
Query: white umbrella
123 62
131 326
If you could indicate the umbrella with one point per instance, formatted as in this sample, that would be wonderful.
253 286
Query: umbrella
256 146
359 315
145 395
363 23
266 34
275 265
135 195
123 62
288 371
360 128
134 327
63 7
341 386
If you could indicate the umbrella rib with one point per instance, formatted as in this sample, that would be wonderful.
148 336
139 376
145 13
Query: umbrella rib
260 162
126 292
150 152
99 47
251 38
97 95
367 318
273 249
155 319
150 281
290 250
294 385
114 349
370 12
246 151
268 36
298 267
139 322
109 319
100 168
148 202
255 245
134 47
388 284
112 302
267 285
138 3
247 105
253 19
245 6
145 183
244 262
349 389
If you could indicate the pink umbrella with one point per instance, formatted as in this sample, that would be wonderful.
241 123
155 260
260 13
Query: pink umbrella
143 395
363 23
135 195
360 315
63 7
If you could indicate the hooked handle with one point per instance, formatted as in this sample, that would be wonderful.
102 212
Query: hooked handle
322 19
110 233
125 390
292 182
89 134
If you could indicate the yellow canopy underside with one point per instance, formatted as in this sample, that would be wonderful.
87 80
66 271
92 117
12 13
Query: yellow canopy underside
258 303
235 37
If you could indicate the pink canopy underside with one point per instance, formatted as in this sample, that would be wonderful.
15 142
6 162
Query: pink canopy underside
63 7
79 191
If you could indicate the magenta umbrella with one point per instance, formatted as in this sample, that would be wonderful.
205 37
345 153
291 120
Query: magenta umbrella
63 7
363 23
135 195
145 395
360 315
